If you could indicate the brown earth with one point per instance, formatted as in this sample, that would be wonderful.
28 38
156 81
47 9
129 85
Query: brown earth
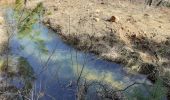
3 35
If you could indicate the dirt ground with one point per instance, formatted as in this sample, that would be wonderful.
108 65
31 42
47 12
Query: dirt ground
118 30
3 26
3 37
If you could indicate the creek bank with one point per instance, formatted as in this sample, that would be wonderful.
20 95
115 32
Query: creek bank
101 45
138 39
15 72
128 34
118 31
7 90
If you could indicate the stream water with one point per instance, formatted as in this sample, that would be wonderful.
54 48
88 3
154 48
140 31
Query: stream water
56 64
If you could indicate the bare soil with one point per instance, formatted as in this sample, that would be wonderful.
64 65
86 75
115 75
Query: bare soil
3 33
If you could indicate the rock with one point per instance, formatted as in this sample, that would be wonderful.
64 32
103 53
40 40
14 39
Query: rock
96 19
135 68
47 21
113 19
102 2
48 25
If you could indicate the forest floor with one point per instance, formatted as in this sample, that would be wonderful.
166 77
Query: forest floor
127 32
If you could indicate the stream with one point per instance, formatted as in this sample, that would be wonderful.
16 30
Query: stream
57 65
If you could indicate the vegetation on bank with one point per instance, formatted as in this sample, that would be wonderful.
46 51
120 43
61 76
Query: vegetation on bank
14 68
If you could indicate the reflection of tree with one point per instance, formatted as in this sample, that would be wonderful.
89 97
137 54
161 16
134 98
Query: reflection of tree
25 21
18 71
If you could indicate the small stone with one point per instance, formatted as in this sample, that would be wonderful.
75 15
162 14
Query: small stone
47 25
112 19
135 68
96 19
102 3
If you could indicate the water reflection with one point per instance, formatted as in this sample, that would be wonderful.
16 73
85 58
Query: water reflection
56 64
